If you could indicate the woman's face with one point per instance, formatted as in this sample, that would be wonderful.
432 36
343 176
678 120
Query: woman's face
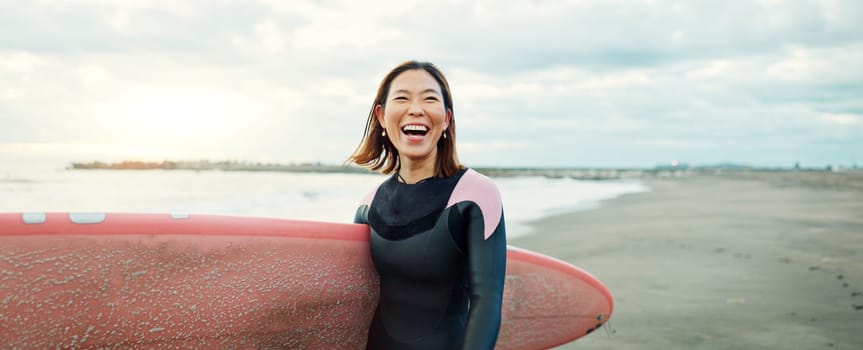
414 115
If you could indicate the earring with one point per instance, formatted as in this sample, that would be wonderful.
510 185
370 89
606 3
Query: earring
444 133
384 133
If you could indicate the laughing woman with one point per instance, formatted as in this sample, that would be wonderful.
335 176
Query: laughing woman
437 229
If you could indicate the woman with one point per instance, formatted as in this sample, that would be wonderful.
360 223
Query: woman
437 228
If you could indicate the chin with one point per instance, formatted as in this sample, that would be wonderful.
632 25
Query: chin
414 153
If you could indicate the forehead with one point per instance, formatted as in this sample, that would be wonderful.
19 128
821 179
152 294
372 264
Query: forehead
415 80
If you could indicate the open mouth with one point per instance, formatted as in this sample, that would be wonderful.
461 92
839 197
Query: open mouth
415 130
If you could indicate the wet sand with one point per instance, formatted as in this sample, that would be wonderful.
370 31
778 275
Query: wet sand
723 261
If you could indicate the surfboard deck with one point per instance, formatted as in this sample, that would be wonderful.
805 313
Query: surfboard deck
199 281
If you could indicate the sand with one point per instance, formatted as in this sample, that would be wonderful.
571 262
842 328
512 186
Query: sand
722 262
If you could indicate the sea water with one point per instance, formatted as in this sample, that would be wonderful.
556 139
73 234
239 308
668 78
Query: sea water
303 196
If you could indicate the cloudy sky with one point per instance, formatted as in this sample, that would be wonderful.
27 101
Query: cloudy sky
536 83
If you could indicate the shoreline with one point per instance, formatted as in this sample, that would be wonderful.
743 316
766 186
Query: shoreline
844 176
713 261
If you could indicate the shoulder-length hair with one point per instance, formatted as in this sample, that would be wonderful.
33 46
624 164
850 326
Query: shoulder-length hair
377 153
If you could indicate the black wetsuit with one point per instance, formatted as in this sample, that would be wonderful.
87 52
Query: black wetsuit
441 265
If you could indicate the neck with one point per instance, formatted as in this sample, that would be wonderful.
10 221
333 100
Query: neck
413 171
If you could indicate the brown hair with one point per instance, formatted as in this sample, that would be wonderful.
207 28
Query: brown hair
377 153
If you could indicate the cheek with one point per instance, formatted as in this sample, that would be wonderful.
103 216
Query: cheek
387 119
442 119
391 115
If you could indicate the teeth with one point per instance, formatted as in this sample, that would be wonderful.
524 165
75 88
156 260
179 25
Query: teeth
414 127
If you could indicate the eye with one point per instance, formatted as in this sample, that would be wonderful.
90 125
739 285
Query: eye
400 98
432 98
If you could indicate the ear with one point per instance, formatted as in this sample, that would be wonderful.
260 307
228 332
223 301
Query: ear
379 114
447 119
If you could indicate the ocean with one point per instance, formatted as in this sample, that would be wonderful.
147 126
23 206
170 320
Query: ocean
301 196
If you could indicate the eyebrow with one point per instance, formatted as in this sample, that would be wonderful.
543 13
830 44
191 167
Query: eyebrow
403 91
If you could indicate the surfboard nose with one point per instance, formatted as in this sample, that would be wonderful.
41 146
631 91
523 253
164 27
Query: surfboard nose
548 302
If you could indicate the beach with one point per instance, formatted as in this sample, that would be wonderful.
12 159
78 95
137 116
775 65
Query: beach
766 260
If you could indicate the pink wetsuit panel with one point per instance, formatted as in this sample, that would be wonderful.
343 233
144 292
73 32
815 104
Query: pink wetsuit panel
475 187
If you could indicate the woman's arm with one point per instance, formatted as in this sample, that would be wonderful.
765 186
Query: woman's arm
487 271
486 250
361 216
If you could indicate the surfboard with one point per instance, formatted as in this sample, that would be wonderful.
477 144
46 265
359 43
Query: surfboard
196 281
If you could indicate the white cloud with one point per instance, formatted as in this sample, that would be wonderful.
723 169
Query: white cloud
819 65
841 119
333 25
272 38
617 81
718 69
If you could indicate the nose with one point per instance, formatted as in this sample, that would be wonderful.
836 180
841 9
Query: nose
415 109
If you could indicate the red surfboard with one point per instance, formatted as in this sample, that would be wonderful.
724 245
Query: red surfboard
197 281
